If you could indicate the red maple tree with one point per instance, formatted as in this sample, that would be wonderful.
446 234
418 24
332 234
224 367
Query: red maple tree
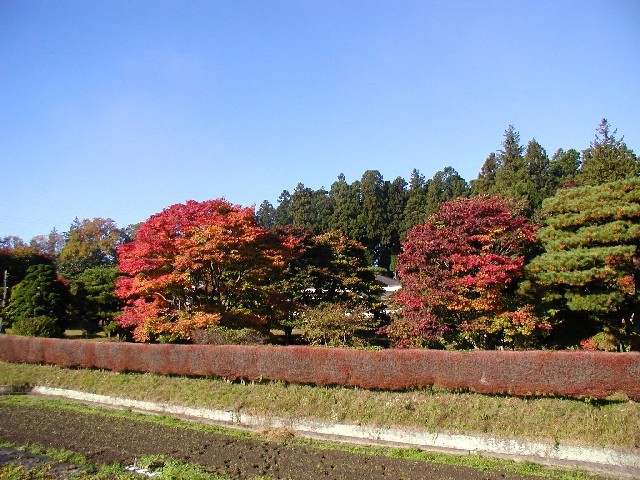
456 271
198 264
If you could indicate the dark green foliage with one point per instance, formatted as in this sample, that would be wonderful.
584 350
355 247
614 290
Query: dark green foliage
485 183
41 326
329 268
564 167
372 220
510 179
524 175
590 265
40 293
375 212
345 199
445 186
283 215
266 215
302 206
415 212
311 208
93 301
607 159
393 233
322 205
16 261
326 268
538 181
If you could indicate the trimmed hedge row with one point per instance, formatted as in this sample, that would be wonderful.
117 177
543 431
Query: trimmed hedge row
521 373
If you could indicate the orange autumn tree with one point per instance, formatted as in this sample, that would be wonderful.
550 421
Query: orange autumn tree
198 264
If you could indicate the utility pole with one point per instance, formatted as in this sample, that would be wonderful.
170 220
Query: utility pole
4 298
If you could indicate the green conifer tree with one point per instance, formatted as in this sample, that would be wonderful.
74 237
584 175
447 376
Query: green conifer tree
607 159
40 293
415 211
486 181
564 167
446 185
588 276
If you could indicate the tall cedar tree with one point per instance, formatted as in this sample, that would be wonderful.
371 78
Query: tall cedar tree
371 219
396 201
198 264
589 274
302 210
345 199
539 184
266 215
484 184
511 177
415 212
607 159
284 215
564 167
446 185
457 273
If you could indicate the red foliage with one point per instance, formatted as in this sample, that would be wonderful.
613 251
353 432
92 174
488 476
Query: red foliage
456 268
193 263
524 373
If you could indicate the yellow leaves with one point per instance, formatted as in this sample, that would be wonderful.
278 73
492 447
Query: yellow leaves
186 323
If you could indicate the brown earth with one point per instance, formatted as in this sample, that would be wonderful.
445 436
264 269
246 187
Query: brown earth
111 439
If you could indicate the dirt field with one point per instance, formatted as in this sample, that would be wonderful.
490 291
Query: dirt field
116 439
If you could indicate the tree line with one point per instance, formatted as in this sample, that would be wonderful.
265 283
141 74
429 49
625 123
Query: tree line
379 213
535 252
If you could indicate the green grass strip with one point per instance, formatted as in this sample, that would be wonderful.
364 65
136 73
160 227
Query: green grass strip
613 424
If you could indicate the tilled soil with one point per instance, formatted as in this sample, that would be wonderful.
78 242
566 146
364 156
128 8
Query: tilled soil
110 439
30 461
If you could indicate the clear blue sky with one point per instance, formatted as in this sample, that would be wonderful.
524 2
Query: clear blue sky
121 108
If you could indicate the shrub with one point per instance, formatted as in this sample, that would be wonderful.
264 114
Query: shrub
218 335
41 326
605 341
336 325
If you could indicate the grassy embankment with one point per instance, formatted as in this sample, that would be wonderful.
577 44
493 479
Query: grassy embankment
599 423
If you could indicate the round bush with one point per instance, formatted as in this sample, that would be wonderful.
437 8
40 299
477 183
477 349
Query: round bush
217 335
41 326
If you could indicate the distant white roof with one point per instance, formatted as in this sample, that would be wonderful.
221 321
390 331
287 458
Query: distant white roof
389 284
